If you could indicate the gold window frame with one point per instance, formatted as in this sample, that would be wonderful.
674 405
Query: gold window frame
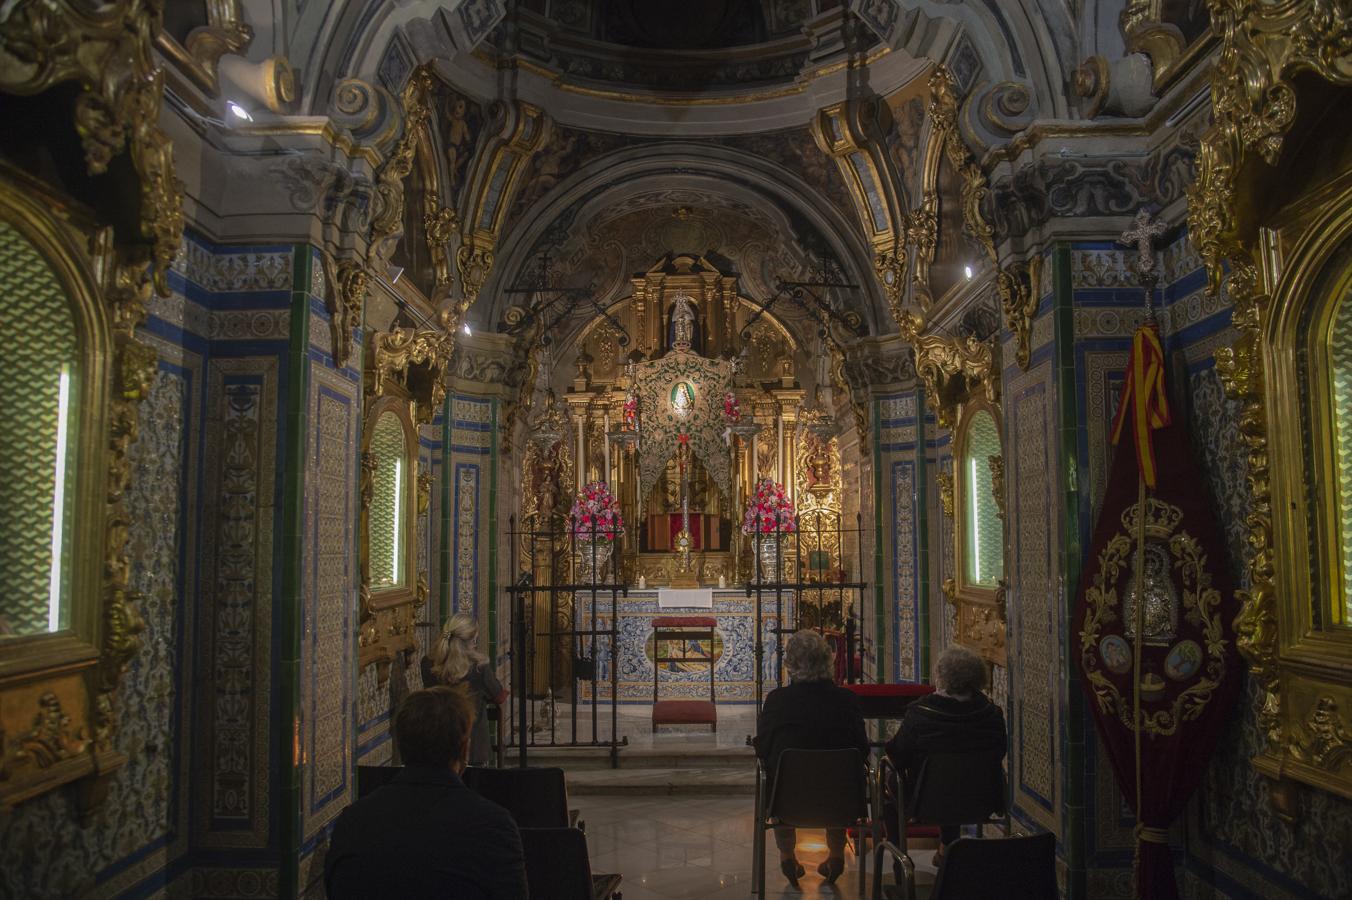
1273 187
60 245
1306 256
980 608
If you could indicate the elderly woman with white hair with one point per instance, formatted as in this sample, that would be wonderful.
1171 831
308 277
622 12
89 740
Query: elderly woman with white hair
956 718
809 713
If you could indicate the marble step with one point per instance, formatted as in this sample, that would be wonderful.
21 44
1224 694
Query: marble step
706 780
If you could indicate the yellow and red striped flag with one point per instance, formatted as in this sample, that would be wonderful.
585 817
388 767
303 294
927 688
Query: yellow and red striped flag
1144 400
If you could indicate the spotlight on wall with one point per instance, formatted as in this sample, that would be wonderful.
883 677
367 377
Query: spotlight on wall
967 270
238 111
465 329
395 273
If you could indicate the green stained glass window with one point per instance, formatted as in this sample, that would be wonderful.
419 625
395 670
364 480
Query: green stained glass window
983 532
37 441
1340 395
388 496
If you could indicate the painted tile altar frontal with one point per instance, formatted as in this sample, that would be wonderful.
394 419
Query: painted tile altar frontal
734 648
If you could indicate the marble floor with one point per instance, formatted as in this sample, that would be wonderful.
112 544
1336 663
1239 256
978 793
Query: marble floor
674 848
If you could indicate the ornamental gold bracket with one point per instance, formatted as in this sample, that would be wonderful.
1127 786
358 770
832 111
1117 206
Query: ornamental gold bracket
416 360
953 370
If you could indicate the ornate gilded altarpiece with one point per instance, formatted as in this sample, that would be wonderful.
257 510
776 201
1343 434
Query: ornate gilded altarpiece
1271 215
58 689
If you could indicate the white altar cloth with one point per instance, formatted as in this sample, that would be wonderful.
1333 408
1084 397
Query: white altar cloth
685 598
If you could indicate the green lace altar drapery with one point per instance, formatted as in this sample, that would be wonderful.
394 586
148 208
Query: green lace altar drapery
665 387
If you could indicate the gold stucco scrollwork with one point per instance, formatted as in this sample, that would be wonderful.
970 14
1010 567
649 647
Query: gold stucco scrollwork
890 266
441 224
108 52
474 260
387 218
1326 741
346 302
418 361
953 370
945 480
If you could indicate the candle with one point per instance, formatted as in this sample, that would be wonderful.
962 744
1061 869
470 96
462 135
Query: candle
606 474
722 581
642 583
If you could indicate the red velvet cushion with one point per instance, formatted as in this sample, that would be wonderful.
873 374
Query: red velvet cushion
684 622
684 712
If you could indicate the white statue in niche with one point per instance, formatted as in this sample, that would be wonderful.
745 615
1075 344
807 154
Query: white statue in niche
682 323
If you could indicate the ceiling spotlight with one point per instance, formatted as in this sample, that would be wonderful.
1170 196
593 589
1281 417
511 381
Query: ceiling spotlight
238 111
395 273
465 329
967 270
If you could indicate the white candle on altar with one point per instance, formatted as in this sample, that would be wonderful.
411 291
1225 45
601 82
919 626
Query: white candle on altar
606 475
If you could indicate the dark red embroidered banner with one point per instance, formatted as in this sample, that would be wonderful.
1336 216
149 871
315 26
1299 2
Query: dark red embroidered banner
1189 668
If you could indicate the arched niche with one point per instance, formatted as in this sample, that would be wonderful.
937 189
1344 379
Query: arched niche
977 588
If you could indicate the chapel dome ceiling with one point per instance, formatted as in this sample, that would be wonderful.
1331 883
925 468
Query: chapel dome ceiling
677 46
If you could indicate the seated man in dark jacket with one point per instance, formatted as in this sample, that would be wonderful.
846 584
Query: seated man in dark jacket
956 718
810 713
425 834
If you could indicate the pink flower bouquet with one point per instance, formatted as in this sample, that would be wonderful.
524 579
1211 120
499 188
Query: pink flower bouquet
770 510
596 515
732 410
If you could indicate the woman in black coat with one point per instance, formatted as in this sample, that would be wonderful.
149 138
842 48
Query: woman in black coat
956 718
810 713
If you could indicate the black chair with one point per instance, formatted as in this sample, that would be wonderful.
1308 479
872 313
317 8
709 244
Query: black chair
812 789
1017 868
557 866
948 789
371 777
536 796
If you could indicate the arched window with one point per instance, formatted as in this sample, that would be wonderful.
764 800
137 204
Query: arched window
983 551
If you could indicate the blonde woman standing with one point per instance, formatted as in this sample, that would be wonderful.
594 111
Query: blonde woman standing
456 660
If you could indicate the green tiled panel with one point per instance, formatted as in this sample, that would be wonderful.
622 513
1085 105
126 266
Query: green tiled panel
37 329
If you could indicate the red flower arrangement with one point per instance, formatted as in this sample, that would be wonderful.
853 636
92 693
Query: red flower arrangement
732 410
770 510
631 412
596 515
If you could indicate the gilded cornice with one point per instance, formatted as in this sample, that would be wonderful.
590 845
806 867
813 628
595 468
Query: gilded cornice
1264 46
